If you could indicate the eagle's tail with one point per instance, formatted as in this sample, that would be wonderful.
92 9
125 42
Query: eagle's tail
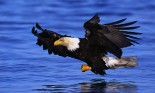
124 62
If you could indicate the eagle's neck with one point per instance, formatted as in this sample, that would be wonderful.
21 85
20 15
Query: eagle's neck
73 44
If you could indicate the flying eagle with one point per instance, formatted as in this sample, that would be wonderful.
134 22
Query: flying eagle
93 48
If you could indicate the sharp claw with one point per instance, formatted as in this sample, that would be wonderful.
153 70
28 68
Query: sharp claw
85 68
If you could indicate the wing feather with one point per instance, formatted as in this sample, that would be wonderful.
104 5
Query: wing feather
95 19
128 28
131 33
47 38
116 22
125 24
115 35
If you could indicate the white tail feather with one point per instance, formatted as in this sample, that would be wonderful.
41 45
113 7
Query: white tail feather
124 62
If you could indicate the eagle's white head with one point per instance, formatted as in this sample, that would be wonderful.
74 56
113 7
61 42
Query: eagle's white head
71 43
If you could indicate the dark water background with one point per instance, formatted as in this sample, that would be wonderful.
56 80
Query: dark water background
26 68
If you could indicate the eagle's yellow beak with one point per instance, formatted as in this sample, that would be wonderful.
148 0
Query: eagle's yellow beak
85 67
57 42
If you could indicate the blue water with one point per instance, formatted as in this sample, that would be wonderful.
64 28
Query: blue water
26 68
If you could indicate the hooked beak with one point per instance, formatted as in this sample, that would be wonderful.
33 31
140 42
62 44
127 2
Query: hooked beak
57 42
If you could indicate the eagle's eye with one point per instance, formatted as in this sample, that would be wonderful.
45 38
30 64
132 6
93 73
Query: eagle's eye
54 35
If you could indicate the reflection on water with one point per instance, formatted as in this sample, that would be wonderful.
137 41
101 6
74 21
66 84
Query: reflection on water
95 86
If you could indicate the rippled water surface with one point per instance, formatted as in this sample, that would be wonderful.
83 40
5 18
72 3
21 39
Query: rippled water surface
26 68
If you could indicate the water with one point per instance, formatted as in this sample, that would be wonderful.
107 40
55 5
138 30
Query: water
26 68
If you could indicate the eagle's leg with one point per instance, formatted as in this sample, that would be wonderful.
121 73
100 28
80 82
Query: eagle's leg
85 67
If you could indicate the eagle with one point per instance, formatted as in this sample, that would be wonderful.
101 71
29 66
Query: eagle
93 48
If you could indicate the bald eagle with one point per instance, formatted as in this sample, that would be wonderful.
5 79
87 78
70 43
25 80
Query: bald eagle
93 48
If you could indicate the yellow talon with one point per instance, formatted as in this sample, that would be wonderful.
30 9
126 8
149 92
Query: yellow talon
85 67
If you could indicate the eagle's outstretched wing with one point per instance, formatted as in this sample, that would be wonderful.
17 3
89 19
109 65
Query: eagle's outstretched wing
111 36
47 38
